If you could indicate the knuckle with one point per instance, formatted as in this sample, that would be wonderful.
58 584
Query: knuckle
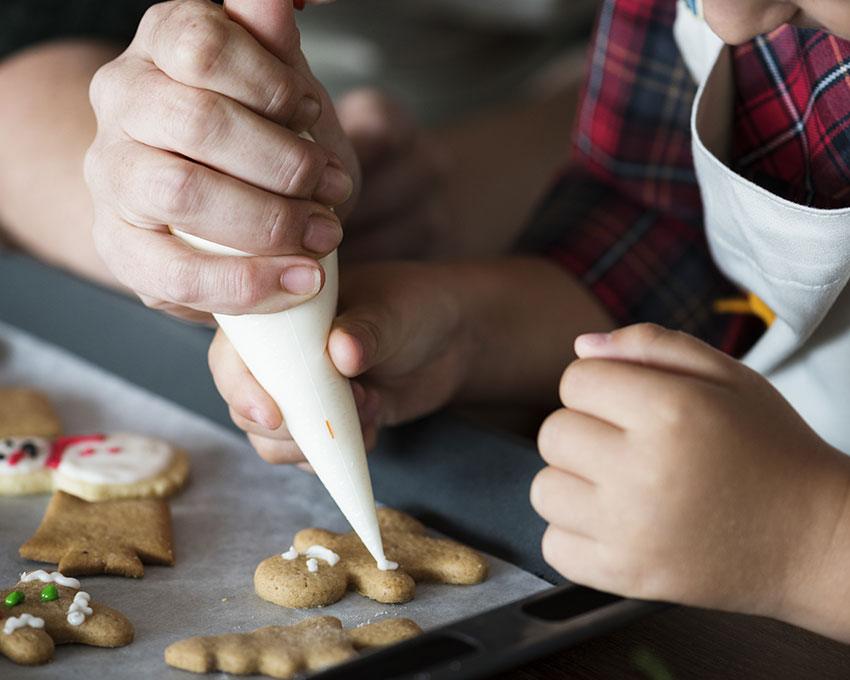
91 165
241 282
646 334
573 377
299 172
277 226
280 100
201 40
182 284
173 191
100 85
549 435
199 119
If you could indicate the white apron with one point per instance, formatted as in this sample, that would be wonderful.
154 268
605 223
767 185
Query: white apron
795 259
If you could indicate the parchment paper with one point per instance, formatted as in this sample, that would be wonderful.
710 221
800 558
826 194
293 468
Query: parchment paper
236 511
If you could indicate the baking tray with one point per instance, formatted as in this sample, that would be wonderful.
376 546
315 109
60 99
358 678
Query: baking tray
460 480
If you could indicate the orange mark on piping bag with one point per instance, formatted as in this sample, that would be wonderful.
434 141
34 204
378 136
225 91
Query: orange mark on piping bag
330 430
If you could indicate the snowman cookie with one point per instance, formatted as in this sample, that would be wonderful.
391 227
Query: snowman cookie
34 458
28 424
23 465
94 467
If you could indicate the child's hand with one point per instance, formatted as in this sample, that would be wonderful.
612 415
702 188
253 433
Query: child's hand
399 330
679 474
198 124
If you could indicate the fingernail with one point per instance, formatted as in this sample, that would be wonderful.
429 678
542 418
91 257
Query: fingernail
322 234
335 186
257 416
301 280
306 113
594 338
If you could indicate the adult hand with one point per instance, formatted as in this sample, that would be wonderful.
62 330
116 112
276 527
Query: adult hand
677 473
198 124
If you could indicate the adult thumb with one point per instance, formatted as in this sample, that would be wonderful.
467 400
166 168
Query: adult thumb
271 22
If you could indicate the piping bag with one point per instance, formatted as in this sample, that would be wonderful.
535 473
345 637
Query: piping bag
287 351
287 354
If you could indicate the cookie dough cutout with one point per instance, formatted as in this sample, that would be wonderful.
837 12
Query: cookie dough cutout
120 465
284 651
109 537
27 423
49 609
300 578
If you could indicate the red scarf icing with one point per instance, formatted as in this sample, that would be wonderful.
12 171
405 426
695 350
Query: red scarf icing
61 444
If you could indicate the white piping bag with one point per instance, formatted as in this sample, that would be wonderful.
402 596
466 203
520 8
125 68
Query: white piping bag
287 354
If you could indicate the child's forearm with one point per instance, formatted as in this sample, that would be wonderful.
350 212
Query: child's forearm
521 316
46 125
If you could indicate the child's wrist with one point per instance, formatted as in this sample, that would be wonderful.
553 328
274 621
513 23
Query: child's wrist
816 592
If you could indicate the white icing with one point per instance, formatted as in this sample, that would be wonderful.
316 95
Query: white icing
322 553
22 621
23 455
120 458
79 609
290 554
312 565
52 577
387 565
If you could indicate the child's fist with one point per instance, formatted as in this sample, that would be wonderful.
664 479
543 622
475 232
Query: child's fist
677 473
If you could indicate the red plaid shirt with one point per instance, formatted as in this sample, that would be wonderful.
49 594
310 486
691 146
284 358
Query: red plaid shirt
626 217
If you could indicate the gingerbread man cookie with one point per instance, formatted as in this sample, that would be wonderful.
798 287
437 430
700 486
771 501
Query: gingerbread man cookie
283 651
110 537
48 609
322 565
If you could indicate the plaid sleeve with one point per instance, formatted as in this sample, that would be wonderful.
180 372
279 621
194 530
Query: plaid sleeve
626 217
24 23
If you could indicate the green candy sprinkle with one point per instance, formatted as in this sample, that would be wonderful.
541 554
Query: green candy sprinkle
49 593
13 598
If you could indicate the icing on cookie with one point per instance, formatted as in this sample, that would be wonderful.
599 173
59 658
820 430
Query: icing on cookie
15 622
116 458
387 565
23 455
322 553
313 553
79 608
52 577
